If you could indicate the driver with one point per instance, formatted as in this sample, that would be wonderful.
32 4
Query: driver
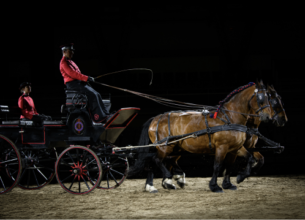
26 104
75 80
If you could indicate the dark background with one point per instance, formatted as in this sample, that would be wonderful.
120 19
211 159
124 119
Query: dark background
198 53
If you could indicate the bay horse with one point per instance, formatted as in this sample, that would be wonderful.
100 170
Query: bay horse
240 104
279 118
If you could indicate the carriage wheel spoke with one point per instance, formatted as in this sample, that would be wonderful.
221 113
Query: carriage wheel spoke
122 159
90 179
71 183
107 180
35 178
47 168
22 174
118 165
14 172
77 154
89 163
62 162
117 172
66 178
68 153
114 161
86 183
2 183
113 177
29 176
8 161
85 156
41 173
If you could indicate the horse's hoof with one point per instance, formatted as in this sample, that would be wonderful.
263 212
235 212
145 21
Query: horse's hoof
216 189
150 189
181 185
240 179
168 184
229 186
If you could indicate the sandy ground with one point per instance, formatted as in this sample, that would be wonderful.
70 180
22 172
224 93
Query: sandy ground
258 197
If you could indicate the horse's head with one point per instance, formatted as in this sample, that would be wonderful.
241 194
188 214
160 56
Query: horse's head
259 102
278 114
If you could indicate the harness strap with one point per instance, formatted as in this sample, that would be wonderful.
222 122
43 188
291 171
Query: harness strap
227 117
254 131
169 128
222 120
157 128
208 130
231 127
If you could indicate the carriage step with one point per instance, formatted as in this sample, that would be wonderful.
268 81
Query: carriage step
78 138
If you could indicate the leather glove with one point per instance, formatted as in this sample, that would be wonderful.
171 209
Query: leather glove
90 79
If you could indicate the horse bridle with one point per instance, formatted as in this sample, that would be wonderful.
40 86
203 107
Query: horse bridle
275 103
260 98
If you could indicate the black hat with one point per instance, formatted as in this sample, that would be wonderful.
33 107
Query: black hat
24 84
67 46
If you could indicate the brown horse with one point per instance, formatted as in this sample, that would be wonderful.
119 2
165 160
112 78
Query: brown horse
279 118
223 144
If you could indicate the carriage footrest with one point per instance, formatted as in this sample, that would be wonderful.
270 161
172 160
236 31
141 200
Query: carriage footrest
78 138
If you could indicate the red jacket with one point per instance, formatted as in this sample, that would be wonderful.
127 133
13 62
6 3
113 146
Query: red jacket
70 71
26 104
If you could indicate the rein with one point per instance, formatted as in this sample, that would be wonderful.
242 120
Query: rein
174 103
152 74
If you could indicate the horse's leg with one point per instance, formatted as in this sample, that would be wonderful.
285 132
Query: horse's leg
220 155
167 182
229 161
178 173
259 162
247 171
149 185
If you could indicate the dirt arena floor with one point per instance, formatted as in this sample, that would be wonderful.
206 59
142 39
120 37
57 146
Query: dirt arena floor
258 197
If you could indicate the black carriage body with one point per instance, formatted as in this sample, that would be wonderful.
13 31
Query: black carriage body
76 128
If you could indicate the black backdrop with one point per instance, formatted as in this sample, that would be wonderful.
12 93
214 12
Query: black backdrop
198 54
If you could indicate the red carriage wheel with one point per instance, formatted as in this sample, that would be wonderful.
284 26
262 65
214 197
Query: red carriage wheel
78 170
10 160
115 170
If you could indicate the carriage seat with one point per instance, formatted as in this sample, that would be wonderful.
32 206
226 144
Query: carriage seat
75 99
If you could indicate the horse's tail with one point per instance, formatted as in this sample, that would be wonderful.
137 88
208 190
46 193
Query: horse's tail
143 153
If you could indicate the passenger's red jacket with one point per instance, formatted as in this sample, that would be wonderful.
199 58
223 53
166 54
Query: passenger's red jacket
70 71
26 104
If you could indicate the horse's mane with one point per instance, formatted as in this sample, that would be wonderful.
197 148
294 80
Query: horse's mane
232 94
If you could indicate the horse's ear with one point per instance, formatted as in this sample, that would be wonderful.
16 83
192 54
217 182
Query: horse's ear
258 84
261 82
272 88
268 88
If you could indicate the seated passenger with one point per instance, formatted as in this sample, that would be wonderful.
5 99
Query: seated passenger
75 80
26 104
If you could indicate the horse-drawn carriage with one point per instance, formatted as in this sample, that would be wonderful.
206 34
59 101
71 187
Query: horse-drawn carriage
80 149
85 157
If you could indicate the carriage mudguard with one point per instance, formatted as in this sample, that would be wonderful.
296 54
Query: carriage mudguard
117 124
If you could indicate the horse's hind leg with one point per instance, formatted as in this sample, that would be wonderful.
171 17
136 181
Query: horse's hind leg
149 185
247 171
229 161
178 174
220 155
167 182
